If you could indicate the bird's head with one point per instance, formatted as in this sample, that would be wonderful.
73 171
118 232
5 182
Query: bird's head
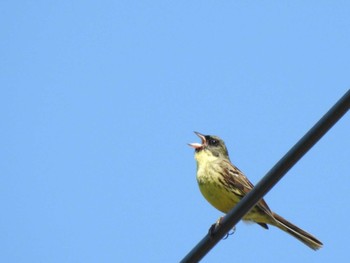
210 143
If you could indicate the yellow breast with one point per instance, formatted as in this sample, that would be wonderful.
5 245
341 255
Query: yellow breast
209 177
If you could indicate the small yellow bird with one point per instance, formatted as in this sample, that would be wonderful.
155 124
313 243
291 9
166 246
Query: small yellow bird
224 185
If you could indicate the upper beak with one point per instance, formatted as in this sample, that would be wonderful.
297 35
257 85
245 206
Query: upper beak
199 145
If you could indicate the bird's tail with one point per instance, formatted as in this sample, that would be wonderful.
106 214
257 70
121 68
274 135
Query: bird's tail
296 232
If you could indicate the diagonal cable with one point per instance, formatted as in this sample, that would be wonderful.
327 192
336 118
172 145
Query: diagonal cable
270 179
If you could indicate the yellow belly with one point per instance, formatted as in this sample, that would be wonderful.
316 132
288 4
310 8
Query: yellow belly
218 196
224 201
209 178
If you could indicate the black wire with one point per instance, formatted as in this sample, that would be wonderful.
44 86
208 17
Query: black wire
270 179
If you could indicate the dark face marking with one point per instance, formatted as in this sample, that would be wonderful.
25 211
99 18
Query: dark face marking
212 141
216 145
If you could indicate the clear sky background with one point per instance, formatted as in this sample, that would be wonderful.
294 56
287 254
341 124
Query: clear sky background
100 98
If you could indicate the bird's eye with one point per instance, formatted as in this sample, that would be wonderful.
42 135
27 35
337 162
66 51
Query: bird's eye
213 142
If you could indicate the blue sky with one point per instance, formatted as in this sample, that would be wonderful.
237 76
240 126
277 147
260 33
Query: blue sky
100 98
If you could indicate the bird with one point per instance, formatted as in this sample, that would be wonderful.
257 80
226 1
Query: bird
223 185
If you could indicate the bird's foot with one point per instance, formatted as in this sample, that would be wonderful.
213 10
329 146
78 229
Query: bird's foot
231 232
216 224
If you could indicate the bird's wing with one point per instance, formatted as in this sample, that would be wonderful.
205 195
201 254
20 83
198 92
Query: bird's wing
237 180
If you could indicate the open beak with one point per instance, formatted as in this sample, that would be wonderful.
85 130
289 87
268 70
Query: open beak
198 146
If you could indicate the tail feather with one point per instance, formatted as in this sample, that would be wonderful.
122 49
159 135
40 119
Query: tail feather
296 232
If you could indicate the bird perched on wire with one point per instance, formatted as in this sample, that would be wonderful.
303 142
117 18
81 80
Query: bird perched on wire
224 185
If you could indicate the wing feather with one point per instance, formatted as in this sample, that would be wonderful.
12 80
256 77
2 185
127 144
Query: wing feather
239 183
